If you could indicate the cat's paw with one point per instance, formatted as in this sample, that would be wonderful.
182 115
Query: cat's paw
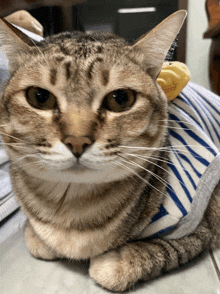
36 246
113 271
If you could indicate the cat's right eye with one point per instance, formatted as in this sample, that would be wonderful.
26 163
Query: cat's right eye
40 98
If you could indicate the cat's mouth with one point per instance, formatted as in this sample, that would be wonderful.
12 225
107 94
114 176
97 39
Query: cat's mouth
78 167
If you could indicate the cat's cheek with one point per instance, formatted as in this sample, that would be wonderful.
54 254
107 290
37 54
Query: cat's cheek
113 272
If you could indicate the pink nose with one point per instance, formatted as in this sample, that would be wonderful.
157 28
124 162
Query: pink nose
77 145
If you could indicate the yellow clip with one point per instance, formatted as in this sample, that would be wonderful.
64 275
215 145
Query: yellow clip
173 77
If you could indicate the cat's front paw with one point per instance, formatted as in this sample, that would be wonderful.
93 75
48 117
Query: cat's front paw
36 246
113 271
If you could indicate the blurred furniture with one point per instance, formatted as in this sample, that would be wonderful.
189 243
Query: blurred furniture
54 15
213 32
24 19
132 18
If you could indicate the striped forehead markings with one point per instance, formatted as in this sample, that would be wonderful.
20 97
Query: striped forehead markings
53 76
89 72
67 71
105 77
64 49
104 72
67 66
53 73
59 58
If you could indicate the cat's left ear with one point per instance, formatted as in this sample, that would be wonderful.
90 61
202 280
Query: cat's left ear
151 49
12 42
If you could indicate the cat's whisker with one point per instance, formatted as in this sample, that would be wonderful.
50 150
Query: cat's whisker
133 172
151 162
37 47
141 148
17 143
152 173
168 162
15 146
33 163
180 121
163 148
159 158
12 137
26 156
173 121
155 157
122 165
173 128
168 148
155 175
181 151
141 177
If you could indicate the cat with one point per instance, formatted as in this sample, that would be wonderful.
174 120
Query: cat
85 126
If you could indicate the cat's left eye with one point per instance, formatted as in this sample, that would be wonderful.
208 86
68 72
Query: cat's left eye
119 100
40 98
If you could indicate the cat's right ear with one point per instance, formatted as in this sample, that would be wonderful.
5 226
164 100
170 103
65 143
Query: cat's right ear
12 42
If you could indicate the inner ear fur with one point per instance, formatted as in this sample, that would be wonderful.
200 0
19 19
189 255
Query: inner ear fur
151 49
12 42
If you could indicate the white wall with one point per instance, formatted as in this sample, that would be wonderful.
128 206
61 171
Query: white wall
197 54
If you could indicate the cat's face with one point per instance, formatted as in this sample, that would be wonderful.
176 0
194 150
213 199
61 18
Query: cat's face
76 108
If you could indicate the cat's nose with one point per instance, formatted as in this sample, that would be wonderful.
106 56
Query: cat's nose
77 145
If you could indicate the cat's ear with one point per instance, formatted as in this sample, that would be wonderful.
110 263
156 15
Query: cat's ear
151 48
12 42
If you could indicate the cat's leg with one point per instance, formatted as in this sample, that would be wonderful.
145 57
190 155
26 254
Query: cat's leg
120 269
36 246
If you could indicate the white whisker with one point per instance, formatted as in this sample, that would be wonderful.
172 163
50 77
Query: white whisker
142 179
12 137
152 173
166 161
180 121
39 50
160 148
173 128
15 146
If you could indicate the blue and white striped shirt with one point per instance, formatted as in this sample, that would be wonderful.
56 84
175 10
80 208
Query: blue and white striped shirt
194 164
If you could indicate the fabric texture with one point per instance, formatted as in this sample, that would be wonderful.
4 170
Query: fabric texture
8 203
194 134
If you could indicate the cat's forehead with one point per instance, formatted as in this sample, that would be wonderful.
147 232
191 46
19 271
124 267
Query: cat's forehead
84 45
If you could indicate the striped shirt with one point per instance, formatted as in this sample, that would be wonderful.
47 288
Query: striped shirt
194 163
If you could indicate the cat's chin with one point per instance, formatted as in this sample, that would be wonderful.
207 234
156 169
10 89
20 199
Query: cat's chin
80 174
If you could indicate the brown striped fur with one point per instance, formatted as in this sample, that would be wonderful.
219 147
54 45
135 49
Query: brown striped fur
99 210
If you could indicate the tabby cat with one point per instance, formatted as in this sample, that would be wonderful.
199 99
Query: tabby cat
80 115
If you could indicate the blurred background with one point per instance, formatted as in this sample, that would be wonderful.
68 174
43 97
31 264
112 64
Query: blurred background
132 18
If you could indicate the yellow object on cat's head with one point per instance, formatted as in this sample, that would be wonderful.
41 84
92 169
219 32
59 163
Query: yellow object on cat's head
173 77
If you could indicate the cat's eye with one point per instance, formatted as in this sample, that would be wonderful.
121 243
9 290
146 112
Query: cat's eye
40 98
119 100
